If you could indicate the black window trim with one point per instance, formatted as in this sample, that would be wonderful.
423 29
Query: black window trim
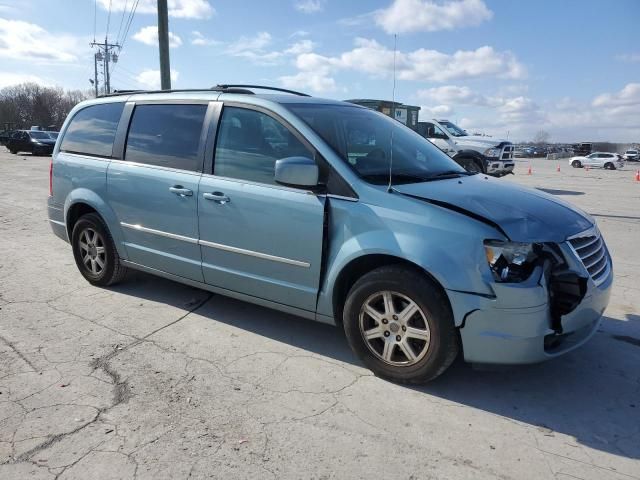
125 124
115 138
346 190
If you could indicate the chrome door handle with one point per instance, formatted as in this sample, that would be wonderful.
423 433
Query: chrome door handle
181 191
217 197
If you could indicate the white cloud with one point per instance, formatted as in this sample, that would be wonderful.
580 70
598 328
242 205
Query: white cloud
404 16
256 49
29 42
454 95
200 40
151 78
629 57
419 65
607 117
196 9
315 81
309 6
298 48
250 44
149 36
8 79
629 96
438 111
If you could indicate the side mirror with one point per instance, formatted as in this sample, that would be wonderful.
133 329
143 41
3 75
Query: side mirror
296 172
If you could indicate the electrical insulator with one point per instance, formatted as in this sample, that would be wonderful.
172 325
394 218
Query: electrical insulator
114 57
99 56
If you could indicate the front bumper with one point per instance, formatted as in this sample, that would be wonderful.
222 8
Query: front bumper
499 167
515 327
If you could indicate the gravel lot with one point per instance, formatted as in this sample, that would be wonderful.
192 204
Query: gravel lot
152 379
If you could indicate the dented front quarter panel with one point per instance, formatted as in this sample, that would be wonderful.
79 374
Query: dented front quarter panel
448 245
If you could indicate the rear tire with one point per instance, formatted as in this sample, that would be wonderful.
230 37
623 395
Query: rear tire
95 252
407 322
576 164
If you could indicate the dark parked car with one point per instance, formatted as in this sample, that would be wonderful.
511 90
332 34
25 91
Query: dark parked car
4 136
34 141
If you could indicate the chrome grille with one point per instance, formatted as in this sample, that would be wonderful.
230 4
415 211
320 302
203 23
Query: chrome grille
507 152
590 249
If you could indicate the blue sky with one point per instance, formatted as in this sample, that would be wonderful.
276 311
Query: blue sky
501 67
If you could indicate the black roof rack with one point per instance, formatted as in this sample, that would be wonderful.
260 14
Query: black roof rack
225 88
231 89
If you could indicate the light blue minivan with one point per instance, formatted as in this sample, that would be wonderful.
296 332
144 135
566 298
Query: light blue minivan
332 212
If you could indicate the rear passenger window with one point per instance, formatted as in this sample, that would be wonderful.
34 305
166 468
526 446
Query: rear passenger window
166 135
92 130
249 143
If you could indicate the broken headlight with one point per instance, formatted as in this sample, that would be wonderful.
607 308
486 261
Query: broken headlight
510 261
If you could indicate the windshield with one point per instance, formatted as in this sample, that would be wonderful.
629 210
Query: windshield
363 139
453 129
39 135
53 135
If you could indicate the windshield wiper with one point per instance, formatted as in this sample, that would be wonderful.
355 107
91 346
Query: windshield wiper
449 174
396 177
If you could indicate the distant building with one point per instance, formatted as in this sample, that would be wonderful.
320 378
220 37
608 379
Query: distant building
405 114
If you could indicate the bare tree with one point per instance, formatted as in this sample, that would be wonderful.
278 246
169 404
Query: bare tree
30 104
541 138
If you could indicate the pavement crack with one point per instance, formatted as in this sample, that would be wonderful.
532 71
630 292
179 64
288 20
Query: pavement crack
189 312
15 350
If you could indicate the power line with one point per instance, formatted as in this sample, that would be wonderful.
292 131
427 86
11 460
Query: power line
95 16
124 14
108 19
134 7
132 13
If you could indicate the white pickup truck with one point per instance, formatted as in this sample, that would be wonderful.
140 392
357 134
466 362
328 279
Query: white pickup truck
474 152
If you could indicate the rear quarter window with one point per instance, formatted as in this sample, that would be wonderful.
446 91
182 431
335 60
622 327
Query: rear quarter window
92 130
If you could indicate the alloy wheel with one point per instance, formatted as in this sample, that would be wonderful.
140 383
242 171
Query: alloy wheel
394 328
92 251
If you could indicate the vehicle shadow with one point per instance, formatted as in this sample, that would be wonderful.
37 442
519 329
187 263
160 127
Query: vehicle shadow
590 394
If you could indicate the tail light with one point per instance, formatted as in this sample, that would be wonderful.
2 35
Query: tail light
51 178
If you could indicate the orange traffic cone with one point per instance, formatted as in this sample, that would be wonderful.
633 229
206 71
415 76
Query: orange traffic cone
586 168
529 172
638 176
558 169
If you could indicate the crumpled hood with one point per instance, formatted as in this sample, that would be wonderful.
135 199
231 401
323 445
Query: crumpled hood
524 214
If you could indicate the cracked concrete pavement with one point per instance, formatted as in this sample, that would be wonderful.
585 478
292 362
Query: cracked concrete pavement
152 380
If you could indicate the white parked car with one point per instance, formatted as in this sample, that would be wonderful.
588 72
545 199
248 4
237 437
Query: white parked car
632 155
607 160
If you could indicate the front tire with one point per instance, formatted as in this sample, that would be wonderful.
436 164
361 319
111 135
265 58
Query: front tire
95 253
609 166
470 164
576 164
399 323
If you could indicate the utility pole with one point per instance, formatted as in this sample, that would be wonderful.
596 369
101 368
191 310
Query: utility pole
95 73
105 55
163 44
